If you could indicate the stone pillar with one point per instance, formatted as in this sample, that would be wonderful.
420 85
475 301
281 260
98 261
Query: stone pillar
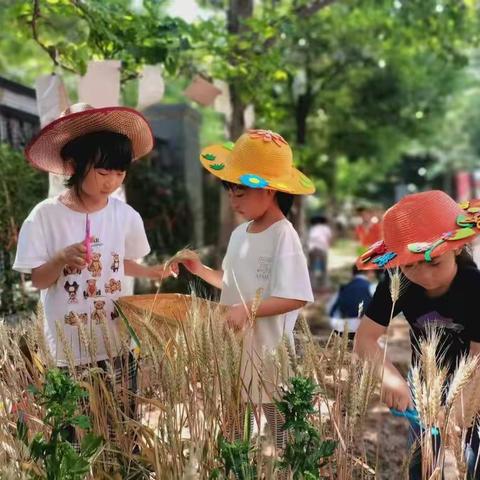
176 128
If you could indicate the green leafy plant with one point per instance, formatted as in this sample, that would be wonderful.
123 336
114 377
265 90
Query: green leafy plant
57 457
305 452
236 455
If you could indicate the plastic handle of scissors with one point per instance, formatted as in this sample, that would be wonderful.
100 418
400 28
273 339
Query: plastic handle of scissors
88 241
412 415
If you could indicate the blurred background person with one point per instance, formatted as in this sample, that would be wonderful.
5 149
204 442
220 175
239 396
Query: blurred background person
320 238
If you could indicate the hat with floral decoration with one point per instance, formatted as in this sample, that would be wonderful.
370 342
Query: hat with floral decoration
258 159
421 227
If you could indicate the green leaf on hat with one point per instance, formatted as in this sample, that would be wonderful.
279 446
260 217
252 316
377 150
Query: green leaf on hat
428 253
229 145
418 247
305 181
209 156
217 166
462 233
473 210
465 221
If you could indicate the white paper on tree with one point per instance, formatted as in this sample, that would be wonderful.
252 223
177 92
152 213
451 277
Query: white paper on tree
52 100
100 86
222 102
151 86
52 97
249 117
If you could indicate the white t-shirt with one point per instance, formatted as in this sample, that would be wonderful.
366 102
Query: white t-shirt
319 237
87 295
272 260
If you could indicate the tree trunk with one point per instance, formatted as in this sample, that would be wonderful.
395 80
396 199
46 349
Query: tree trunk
238 11
7 300
302 110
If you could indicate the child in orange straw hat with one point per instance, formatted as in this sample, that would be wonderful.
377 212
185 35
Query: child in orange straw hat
264 258
79 246
425 235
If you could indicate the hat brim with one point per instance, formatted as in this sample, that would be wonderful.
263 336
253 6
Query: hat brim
215 159
409 258
43 151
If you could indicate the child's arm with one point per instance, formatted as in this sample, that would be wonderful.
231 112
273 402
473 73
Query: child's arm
47 274
395 390
276 306
134 269
238 315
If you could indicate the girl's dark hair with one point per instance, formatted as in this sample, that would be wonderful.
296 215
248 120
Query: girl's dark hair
104 149
464 258
284 200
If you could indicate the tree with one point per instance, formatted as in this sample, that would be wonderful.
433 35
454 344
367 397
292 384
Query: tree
365 78
350 81
20 188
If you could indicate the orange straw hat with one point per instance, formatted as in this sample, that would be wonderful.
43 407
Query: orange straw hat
44 149
258 159
420 227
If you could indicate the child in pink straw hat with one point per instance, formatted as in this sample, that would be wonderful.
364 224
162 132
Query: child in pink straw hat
264 268
79 246
425 236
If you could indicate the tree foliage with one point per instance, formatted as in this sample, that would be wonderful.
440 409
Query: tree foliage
346 81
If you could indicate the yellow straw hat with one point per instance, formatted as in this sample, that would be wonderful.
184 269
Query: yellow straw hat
258 159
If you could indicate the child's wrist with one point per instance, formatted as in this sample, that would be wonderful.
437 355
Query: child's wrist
202 271
59 259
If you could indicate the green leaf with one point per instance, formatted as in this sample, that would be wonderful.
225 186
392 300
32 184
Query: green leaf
91 445
130 329
81 421
22 431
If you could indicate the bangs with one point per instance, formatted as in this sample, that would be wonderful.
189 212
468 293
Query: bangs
114 153
104 149
232 187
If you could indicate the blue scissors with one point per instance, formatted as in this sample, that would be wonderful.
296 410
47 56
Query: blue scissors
411 415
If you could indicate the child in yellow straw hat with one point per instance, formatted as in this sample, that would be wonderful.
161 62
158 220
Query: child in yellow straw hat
79 246
425 236
264 259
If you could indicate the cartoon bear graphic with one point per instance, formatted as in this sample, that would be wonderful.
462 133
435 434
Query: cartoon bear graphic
113 286
91 290
115 262
99 314
68 270
71 289
74 319
95 266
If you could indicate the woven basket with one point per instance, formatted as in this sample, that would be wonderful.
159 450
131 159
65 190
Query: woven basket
164 311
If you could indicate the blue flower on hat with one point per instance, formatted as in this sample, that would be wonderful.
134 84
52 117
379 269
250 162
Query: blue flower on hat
382 260
253 181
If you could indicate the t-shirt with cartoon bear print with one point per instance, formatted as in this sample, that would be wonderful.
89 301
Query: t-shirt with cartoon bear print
82 296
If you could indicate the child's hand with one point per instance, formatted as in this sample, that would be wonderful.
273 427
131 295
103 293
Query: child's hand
190 260
237 317
396 393
159 272
74 255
